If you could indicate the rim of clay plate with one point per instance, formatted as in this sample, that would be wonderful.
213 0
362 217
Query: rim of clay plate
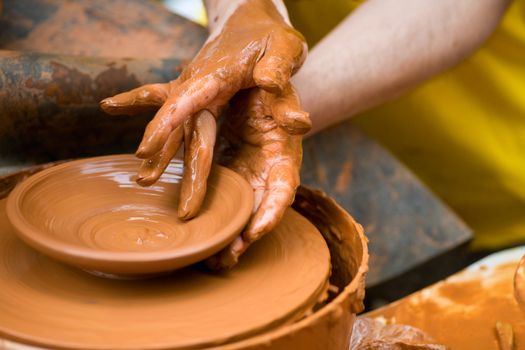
57 248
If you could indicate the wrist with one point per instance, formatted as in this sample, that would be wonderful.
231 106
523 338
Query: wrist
219 11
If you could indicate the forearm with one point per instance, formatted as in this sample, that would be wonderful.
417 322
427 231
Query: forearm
387 47
218 11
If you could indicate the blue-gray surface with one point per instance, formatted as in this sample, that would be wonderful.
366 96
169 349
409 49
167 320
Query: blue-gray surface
406 224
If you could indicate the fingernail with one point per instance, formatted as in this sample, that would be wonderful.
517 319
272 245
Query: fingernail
145 181
303 118
141 152
237 247
182 214
107 101
253 232
185 214
296 123
269 84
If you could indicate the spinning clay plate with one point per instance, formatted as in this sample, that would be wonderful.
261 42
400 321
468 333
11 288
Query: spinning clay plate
50 304
90 213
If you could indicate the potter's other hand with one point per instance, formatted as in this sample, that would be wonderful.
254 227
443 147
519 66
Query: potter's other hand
251 45
261 141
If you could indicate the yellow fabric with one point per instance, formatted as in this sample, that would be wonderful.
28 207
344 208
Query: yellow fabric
463 132
315 18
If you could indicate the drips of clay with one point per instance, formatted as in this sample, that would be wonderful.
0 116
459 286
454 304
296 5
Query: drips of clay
50 304
91 213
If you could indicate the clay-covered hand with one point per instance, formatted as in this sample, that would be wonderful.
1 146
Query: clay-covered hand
198 135
255 47
261 140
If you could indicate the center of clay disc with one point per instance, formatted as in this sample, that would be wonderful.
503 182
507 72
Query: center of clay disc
131 230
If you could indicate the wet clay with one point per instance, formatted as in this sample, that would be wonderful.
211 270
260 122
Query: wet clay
198 135
330 326
50 304
266 155
253 47
469 311
92 214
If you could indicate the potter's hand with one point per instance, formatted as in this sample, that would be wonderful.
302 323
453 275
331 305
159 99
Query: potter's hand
261 140
254 47
198 134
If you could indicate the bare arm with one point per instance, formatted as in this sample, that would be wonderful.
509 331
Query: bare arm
387 47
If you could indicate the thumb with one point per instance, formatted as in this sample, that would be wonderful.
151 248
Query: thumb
284 54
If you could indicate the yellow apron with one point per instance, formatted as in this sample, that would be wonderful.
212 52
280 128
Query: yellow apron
463 132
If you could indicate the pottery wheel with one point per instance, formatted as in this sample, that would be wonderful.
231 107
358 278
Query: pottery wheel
46 303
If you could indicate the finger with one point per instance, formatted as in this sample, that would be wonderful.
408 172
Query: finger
152 168
282 183
287 112
185 100
229 256
137 100
197 163
283 55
